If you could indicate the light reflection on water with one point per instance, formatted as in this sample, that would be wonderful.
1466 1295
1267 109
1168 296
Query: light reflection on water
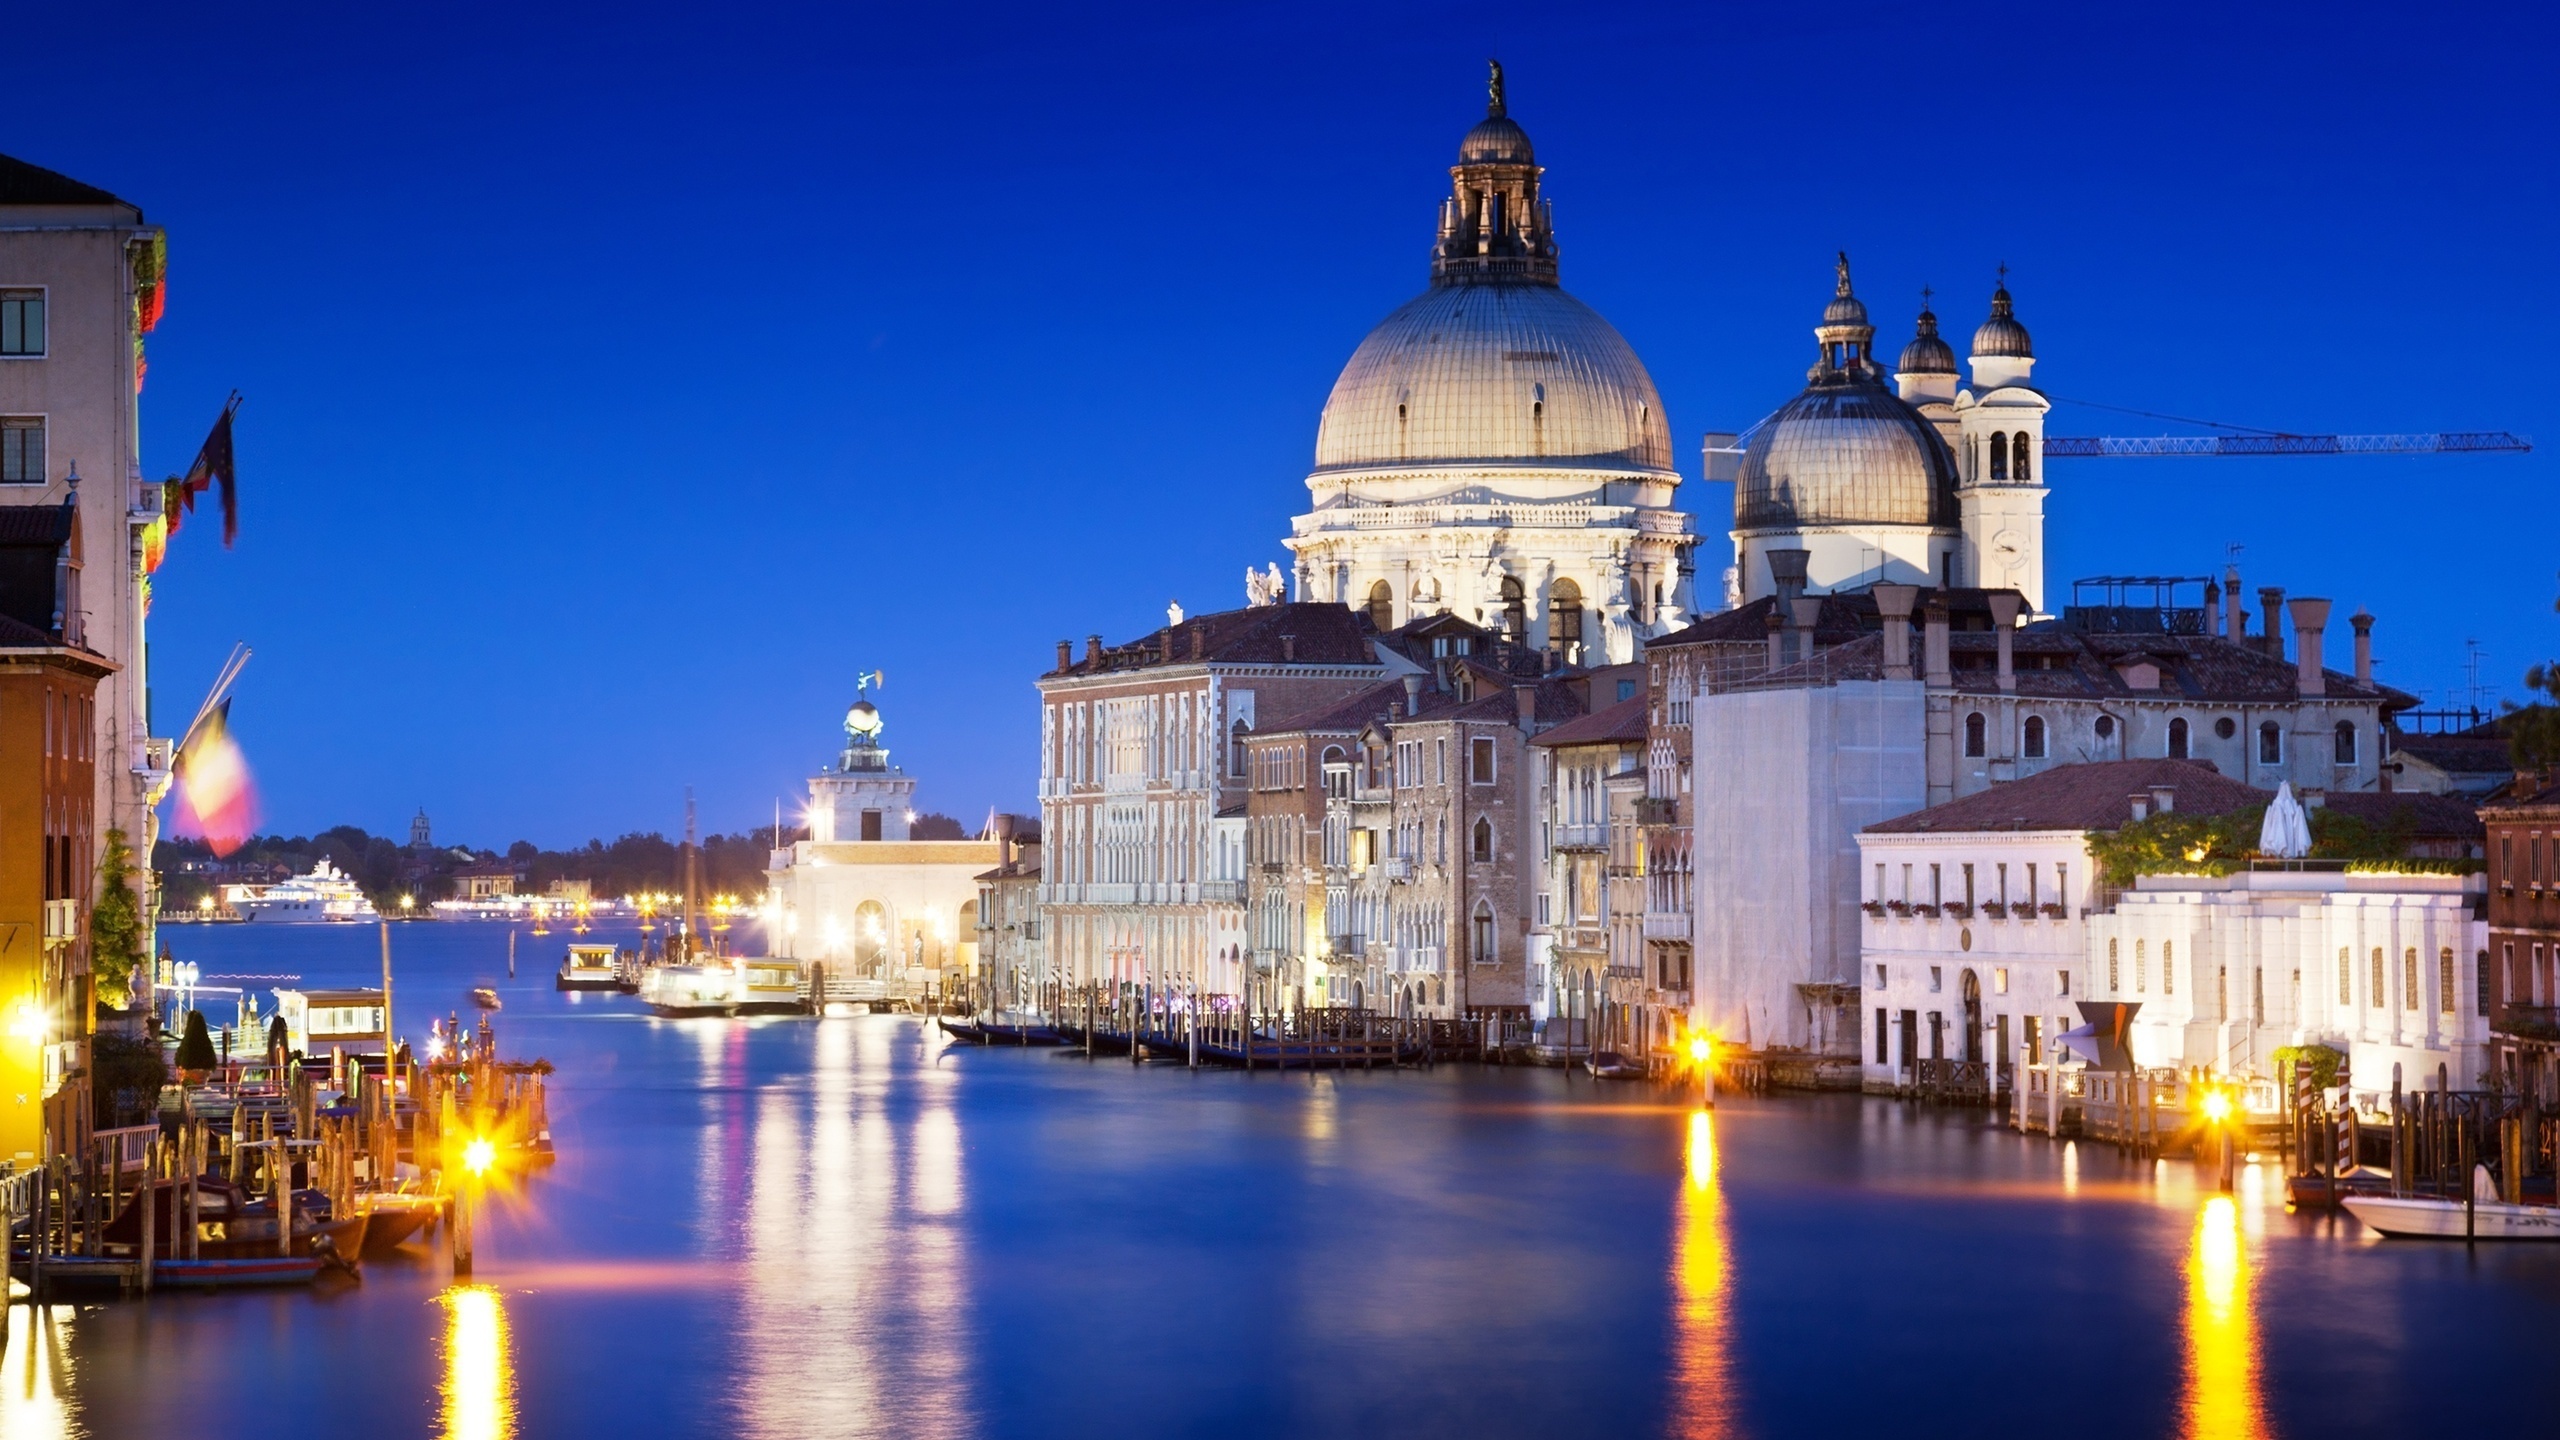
36 1375
479 1374
2222 1400
1701 1402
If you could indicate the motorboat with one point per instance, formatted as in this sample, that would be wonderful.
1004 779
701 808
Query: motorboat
1610 1065
327 895
2484 1217
681 990
231 1226
590 967
393 1218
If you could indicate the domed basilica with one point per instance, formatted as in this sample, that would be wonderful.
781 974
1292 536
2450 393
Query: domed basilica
1495 449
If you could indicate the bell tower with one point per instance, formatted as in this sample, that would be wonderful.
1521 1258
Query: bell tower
1494 226
2000 458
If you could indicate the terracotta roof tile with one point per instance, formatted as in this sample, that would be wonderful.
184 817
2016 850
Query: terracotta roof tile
1619 724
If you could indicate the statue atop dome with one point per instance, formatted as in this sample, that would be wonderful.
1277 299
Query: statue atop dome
1494 107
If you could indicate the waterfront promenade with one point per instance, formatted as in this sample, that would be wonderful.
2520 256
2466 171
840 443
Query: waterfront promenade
796 1228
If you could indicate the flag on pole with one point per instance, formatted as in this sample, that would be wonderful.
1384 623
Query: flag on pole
213 777
213 467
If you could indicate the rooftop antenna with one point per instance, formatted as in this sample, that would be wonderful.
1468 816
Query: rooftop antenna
2471 669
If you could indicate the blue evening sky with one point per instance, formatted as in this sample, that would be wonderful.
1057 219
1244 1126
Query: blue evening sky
622 380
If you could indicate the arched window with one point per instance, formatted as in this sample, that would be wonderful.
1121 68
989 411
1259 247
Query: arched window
2178 739
2034 740
1515 608
2022 467
2270 744
2346 742
1974 727
2168 967
1483 847
1382 607
1564 616
1235 749
2375 997
1999 455
2115 976
1480 941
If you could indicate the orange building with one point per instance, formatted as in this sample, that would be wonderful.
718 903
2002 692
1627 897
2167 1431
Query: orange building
48 832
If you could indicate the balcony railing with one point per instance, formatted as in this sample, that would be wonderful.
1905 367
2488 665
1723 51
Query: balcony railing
1666 925
1399 868
2528 1022
1221 892
1588 835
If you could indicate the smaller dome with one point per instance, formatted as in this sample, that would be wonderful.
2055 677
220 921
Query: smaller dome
2002 334
1927 354
862 719
1497 139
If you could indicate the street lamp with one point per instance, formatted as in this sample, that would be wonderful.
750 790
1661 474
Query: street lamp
1702 1053
2217 1113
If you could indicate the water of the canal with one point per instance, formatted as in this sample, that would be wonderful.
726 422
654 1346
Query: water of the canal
796 1228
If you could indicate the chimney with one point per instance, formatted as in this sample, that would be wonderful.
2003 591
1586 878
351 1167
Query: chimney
1786 572
2310 619
2271 636
1893 602
1066 654
1933 637
1524 698
1288 649
1164 647
2212 607
2141 806
1199 643
1807 610
1777 637
2005 605
1413 694
2164 798
1093 649
2364 645
1005 854
2235 621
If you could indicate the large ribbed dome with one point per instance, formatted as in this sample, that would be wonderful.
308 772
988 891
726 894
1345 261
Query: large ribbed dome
1845 452
1504 373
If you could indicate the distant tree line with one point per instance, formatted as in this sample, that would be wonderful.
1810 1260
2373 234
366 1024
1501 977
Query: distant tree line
387 869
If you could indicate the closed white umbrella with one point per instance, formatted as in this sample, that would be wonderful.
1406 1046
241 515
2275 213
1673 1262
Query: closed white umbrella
2286 832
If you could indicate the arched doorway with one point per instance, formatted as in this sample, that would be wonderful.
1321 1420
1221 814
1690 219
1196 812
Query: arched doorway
1972 1017
871 939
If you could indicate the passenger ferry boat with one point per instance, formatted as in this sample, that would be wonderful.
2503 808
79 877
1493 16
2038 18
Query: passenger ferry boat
706 989
769 986
325 896
590 967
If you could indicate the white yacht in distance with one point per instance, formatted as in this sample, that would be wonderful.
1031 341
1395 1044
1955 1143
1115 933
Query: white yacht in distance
324 896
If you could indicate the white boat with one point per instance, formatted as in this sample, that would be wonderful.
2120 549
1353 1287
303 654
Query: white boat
2411 1217
769 985
690 989
325 896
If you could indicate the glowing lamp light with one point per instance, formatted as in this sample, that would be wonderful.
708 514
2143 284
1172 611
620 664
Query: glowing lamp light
408 901
2217 1107
206 904
435 1048
26 1022
1701 1049
2194 853
479 1155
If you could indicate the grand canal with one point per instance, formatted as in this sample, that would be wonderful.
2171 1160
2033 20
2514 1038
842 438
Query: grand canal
797 1228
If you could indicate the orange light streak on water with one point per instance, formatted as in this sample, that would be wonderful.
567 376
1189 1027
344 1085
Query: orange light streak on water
479 1370
1701 1367
2223 1399
36 1375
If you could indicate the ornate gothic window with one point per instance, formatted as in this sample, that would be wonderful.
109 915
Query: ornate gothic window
1480 941
1483 847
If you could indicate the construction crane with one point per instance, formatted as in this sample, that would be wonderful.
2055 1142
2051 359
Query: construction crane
2105 447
